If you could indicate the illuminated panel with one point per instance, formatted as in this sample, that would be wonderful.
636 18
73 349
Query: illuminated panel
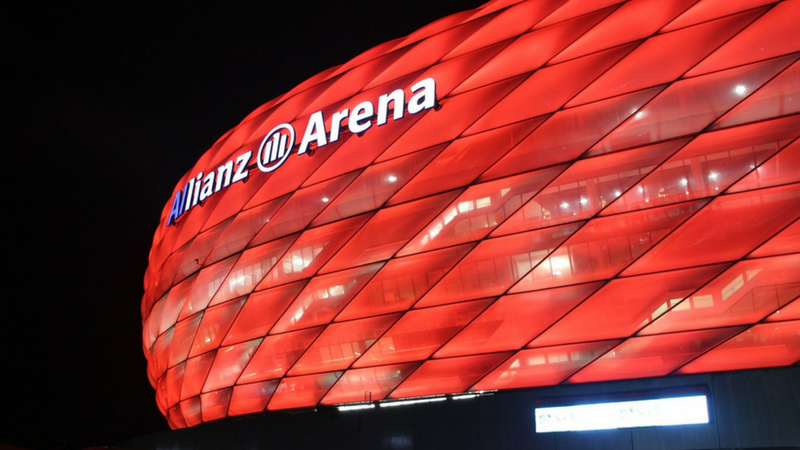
688 410
764 345
595 182
507 23
779 97
728 229
250 269
433 129
323 298
261 311
543 366
530 51
746 293
531 193
243 228
569 133
214 327
789 312
476 212
369 384
310 251
553 85
420 333
782 168
205 285
513 320
447 375
652 356
707 96
251 398
402 282
463 160
341 344
605 246
277 354
709 165
495 265
302 392
215 404
373 187
749 45
195 375
625 305
697 42
631 21
387 232
228 364
302 208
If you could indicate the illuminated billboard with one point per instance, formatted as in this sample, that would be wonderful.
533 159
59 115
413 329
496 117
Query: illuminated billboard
525 194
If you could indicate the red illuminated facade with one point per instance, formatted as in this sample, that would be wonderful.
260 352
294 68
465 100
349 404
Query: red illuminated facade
592 191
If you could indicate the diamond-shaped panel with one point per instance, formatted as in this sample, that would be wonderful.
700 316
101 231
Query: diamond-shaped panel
531 193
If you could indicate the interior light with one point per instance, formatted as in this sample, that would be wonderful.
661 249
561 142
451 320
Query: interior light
325 199
464 207
391 178
413 402
356 407
686 410
559 265
740 89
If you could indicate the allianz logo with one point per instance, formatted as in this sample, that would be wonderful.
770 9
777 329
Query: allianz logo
278 144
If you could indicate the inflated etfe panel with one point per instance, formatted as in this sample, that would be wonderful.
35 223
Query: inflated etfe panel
525 194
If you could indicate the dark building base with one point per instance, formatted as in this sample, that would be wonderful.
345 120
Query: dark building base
755 409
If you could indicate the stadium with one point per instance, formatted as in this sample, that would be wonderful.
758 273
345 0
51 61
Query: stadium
533 204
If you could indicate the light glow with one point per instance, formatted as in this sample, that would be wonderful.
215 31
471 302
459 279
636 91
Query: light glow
356 407
413 402
686 410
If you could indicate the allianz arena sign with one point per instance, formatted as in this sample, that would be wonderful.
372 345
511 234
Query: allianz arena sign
279 142
527 194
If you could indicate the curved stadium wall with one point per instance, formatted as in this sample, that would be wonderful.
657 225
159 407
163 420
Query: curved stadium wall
525 194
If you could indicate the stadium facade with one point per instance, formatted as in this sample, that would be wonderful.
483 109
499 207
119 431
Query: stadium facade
529 201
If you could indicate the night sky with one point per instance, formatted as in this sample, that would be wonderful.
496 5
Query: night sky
105 107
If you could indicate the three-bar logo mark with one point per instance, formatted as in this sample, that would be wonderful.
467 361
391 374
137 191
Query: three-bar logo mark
275 148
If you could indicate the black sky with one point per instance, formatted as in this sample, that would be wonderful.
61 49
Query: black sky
105 107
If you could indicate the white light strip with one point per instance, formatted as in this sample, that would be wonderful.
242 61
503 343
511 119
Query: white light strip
356 407
413 402
464 397
640 413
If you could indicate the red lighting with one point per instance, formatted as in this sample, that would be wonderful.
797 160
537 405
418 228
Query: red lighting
598 192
